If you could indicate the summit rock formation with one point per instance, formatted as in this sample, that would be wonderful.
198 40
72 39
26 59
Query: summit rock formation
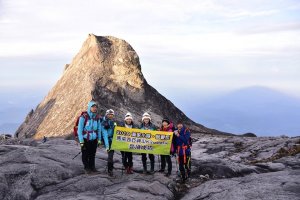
107 70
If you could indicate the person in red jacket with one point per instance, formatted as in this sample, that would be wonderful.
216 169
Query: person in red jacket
168 127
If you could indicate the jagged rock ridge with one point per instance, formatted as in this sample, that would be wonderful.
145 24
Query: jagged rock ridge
106 69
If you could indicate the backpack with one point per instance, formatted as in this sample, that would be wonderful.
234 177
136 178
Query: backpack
190 141
86 118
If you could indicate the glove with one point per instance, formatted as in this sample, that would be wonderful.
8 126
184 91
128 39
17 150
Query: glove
82 146
99 143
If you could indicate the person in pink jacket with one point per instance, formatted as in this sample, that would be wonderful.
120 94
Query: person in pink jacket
168 127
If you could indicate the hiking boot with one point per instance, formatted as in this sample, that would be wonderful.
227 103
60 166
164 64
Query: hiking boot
87 171
152 168
130 170
126 170
178 180
183 177
110 173
161 170
189 174
144 168
110 167
168 174
145 171
94 171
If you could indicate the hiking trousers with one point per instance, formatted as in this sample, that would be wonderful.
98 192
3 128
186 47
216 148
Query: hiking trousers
164 159
88 154
144 160
127 159
110 158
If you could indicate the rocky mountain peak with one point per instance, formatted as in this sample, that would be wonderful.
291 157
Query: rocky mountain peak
107 70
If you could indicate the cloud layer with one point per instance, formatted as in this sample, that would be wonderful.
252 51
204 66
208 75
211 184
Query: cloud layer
192 45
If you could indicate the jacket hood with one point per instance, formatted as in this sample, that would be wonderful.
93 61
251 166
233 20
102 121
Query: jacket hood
90 104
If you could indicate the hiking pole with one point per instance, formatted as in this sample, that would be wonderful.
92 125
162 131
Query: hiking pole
190 164
158 162
188 171
123 159
76 155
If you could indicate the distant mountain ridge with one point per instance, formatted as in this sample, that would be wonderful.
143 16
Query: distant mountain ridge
260 110
8 128
15 105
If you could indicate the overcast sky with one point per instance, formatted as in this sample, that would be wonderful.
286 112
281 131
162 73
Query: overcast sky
192 46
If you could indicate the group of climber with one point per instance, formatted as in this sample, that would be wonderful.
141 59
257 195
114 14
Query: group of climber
93 130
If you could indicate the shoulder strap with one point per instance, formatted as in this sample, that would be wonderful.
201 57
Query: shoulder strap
86 117
186 129
98 117
190 139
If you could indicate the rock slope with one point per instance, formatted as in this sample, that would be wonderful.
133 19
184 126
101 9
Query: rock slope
232 168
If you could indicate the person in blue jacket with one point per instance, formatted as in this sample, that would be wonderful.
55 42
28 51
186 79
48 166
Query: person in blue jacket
107 127
183 149
147 125
88 132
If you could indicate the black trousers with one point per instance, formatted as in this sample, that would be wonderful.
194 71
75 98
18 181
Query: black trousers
144 160
110 160
88 154
110 157
185 168
127 159
164 159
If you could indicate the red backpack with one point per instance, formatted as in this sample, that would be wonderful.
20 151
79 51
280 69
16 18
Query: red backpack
86 118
